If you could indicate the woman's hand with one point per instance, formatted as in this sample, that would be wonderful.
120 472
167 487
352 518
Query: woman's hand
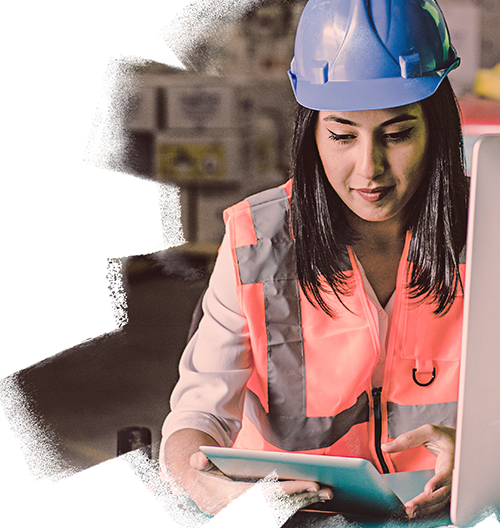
217 490
210 489
440 441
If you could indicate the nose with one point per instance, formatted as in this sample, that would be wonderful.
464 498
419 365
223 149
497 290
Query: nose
370 162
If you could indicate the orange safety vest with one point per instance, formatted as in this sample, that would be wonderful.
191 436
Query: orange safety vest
311 389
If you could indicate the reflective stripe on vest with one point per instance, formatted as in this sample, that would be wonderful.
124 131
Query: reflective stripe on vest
403 418
315 432
272 262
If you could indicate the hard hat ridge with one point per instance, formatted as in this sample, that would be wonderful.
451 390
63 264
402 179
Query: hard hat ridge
369 54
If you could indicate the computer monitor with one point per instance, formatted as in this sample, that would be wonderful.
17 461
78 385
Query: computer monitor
476 478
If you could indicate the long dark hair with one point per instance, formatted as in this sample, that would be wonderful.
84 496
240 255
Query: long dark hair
437 218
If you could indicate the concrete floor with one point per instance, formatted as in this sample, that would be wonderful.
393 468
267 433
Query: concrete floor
84 395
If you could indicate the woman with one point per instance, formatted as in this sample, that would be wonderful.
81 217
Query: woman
333 320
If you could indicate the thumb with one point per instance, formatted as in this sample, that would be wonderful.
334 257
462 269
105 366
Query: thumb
395 446
414 438
200 462
402 442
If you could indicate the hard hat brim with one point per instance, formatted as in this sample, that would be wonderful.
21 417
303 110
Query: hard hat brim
369 94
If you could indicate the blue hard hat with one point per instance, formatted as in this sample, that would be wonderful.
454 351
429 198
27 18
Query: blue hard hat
369 54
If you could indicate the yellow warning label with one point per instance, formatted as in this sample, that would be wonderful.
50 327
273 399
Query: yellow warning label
191 161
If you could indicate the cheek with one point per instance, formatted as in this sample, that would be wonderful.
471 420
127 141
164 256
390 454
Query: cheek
335 168
334 174
411 167
417 170
419 161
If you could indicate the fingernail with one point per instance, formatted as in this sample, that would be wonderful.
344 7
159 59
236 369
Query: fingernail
312 489
325 495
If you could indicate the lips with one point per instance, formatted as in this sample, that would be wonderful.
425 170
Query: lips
374 195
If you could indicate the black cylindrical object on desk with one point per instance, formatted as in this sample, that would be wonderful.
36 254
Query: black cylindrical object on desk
133 463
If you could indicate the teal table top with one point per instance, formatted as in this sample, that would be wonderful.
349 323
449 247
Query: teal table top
180 512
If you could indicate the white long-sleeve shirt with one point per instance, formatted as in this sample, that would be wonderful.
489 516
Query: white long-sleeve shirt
217 361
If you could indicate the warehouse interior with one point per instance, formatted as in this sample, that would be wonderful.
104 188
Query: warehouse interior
187 109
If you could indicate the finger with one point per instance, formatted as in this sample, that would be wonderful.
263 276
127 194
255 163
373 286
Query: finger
218 492
445 462
429 503
439 480
296 503
415 438
270 492
433 437
260 513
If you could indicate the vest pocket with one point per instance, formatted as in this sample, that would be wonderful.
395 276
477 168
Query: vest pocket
428 338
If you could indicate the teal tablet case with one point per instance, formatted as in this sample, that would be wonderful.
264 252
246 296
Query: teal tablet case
357 486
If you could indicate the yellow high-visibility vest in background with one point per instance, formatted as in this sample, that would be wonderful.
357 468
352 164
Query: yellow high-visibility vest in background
22 114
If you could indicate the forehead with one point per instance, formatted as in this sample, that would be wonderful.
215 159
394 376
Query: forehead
374 118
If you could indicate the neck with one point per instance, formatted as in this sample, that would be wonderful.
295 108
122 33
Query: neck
378 235
379 246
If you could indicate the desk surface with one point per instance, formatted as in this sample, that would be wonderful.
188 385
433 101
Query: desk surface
179 512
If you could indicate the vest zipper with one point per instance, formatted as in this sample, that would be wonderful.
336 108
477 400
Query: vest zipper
377 413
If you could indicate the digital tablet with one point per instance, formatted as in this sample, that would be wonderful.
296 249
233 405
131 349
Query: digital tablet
357 486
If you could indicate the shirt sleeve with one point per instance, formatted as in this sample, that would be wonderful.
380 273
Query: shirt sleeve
216 363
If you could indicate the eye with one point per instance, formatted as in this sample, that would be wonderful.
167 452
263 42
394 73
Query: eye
396 137
341 138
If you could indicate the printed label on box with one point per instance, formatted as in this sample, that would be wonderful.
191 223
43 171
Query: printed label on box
191 161
199 107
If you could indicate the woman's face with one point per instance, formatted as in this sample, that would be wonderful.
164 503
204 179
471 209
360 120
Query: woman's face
374 159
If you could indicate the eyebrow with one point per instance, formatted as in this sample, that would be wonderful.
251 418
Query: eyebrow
397 119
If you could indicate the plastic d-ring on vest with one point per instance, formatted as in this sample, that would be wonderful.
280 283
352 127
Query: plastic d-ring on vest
433 377
369 54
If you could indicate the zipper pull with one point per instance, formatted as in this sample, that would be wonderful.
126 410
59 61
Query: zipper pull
376 402
377 413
